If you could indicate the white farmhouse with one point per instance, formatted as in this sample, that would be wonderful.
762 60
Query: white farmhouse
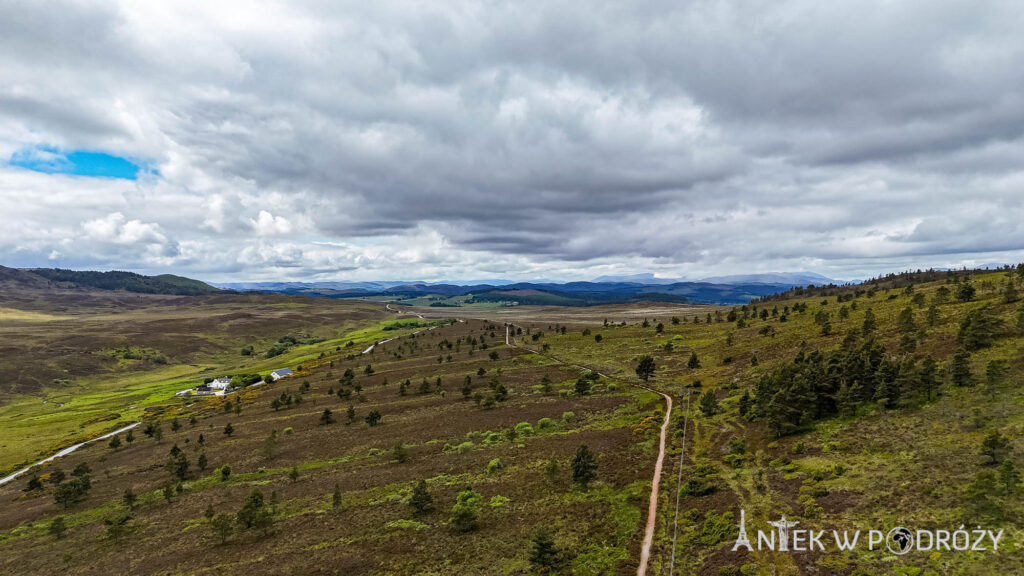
221 383
280 373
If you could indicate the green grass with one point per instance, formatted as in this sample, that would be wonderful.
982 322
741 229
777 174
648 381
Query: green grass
31 430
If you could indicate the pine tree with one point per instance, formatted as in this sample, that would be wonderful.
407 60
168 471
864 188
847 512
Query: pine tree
373 418
994 446
709 403
1010 294
551 471
255 513
222 527
979 328
544 554
584 466
645 368
745 403
129 498
960 369
1009 477
177 465
905 320
336 498
694 362
869 322
927 378
421 500
966 291
995 375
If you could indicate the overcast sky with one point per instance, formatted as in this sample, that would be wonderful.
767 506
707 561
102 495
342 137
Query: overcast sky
465 140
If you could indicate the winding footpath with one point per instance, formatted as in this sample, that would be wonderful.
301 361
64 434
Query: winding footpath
652 507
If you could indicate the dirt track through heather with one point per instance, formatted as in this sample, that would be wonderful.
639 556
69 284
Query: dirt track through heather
652 508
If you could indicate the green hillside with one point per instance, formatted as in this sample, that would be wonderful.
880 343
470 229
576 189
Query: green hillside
892 403
129 281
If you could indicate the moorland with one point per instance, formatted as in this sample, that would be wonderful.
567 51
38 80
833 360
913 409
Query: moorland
518 440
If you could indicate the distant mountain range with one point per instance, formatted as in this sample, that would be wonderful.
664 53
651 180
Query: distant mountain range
603 290
737 289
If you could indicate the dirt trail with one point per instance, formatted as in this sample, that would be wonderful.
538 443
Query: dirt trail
65 452
652 508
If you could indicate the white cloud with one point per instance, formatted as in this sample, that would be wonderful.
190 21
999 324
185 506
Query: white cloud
115 228
266 224
427 140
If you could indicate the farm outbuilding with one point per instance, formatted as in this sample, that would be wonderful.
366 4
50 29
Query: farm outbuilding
280 373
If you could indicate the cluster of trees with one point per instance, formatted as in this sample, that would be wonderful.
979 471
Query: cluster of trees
177 464
982 495
498 393
129 281
285 342
74 489
286 400
255 514
821 384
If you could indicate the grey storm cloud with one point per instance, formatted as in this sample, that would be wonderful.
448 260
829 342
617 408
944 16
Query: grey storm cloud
524 139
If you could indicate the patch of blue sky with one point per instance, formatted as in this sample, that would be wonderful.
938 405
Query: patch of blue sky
49 160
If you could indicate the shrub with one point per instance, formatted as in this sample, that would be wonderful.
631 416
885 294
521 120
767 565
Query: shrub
698 487
494 466
568 416
524 429
499 501
465 514
545 423
288 430
717 528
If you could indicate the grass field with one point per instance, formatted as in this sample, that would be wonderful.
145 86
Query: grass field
65 385
915 462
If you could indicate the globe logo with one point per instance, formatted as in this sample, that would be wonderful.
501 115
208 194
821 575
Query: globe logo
899 540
